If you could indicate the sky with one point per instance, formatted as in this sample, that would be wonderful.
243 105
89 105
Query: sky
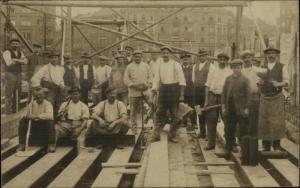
268 11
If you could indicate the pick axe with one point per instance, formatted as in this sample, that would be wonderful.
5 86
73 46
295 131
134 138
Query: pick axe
199 109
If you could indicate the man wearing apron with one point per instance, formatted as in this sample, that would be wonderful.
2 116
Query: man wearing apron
169 81
271 124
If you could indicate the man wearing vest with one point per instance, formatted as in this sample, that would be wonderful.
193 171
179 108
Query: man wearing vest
199 77
109 118
69 76
187 68
271 124
137 77
51 76
169 82
129 55
86 77
250 72
216 77
73 116
102 75
13 59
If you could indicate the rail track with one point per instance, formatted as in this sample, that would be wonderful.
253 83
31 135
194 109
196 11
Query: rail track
159 164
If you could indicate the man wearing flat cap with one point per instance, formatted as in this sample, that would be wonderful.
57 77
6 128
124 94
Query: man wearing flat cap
216 77
51 76
249 71
40 113
14 59
72 118
87 77
102 75
235 105
116 79
199 77
169 83
271 124
137 77
109 118
129 54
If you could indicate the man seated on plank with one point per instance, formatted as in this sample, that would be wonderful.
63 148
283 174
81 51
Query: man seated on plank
73 116
40 112
109 117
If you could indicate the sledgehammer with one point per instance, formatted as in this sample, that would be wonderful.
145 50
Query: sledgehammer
199 109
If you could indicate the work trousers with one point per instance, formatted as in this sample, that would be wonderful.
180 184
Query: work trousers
168 101
200 100
68 128
267 144
42 128
97 127
85 88
212 116
136 104
232 120
12 84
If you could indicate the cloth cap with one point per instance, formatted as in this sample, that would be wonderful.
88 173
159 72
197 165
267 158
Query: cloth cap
110 90
223 55
67 56
73 90
128 47
85 55
236 62
166 48
246 52
202 52
120 56
271 49
137 52
14 40
184 55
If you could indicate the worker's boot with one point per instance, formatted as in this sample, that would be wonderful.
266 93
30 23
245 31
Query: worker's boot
21 147
51 148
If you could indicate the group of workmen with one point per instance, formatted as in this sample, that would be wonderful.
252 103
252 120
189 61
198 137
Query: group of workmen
249 95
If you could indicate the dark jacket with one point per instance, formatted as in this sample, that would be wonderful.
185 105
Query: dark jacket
239 89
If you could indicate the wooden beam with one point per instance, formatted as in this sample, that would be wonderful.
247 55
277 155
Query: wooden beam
157 174
127 171
209 163
115 165
132 4
11 149
239 11
210 172
74 171
85 38
290 147
29 176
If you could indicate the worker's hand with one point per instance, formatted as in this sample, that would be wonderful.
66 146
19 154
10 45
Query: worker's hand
111 126
246 112
181 98
276 84
223 110
62 86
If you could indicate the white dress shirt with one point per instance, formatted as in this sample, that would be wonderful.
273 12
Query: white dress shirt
201 65
9 61
168 73
216 78
102 74
50 73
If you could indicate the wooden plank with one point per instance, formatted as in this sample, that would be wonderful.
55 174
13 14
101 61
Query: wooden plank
289 171
4 143
176 167
157 173
191 180
218 180
76 169
13 144
13 161
140 177
290 147
115 165
108 176
38 169
209 163
257 175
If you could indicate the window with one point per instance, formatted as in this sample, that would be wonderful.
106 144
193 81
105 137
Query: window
25 23
27 35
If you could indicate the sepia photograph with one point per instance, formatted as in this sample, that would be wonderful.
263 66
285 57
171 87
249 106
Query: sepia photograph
149 93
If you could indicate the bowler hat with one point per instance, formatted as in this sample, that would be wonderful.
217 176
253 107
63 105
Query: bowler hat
271 49
73 90
223 55
166 48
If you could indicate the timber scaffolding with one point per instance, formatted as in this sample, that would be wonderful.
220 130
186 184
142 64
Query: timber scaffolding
160 164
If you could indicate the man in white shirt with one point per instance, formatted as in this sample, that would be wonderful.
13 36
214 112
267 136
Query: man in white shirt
87 77
137 77
129 54
214 87
14 59
271 121
169 81
109 118
102 75
73 116
40 113
51 76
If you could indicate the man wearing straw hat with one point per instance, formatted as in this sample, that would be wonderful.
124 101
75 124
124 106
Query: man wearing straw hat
271 124
40 113
13 60
214 88
137 77
199 77
169 82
